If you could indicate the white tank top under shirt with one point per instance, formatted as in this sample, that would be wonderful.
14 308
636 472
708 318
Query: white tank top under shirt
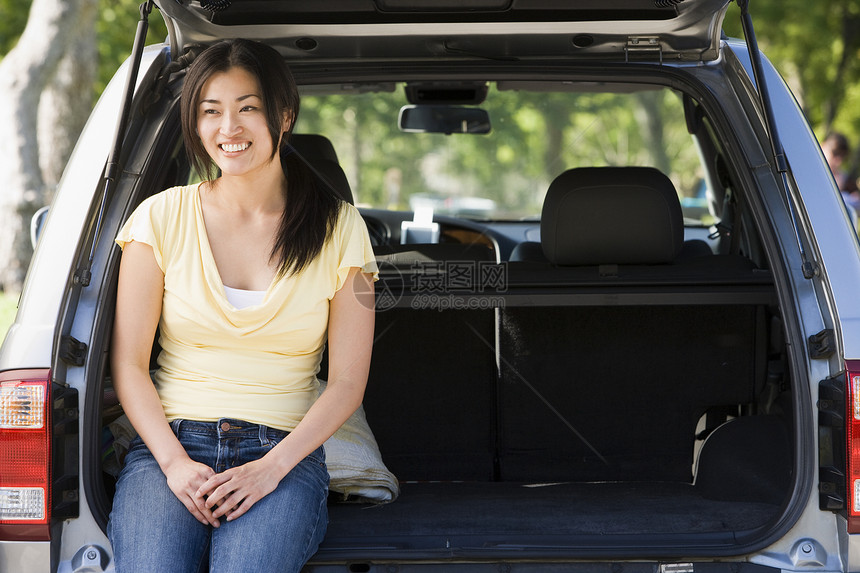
244 298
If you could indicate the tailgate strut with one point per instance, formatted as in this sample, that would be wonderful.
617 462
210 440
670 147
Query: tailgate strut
809 268
84 276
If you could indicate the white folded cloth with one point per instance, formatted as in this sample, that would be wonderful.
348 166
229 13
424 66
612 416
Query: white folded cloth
355 464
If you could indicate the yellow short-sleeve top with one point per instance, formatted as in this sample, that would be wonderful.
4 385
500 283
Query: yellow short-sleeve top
257 364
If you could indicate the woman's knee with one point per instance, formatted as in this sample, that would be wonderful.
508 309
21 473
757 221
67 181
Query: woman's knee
149 528
282 530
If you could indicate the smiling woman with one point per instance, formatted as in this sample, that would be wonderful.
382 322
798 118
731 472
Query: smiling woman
202 243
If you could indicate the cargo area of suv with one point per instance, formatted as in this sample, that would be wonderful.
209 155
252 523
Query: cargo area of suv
597 364
609 333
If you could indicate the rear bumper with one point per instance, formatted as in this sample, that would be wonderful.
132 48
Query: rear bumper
25 556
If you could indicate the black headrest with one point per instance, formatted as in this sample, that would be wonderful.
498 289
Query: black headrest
318 153
611 215
313 146
331 175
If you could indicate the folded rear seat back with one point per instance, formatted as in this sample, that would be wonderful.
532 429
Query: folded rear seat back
608 382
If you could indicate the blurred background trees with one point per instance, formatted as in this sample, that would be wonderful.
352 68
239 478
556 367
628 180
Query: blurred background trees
503 174
816 47
57 56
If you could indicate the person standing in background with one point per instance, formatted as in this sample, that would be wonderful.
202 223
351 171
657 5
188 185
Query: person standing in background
836 149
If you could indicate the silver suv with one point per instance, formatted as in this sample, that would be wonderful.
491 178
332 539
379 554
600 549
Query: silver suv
617 323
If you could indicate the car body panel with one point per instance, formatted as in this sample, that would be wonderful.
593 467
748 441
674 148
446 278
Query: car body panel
42 299
834 237
618 29
684 52
25 556
33 337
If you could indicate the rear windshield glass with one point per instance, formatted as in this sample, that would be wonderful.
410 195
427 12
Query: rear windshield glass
536 132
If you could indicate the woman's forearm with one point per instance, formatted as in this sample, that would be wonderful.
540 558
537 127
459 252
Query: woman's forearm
144 410
350 339
138 308
334 407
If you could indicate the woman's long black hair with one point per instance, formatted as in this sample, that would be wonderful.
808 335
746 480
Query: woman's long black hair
311 208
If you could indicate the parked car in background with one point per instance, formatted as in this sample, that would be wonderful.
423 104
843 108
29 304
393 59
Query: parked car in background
617 323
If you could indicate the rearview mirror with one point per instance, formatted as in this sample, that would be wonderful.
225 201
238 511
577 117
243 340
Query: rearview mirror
445 119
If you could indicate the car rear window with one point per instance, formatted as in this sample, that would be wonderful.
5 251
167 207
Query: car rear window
538 130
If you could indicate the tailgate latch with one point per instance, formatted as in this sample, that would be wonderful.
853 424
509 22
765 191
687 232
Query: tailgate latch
677 568
646 46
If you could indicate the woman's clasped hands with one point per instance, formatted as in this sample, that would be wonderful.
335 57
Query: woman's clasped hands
210 496
233 492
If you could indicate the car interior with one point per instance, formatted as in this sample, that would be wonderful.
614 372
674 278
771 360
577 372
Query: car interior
593 351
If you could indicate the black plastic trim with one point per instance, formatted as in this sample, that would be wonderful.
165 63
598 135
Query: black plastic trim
65 444
831 444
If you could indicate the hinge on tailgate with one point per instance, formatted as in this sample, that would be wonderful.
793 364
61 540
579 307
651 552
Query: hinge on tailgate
72 351
646 46
823 344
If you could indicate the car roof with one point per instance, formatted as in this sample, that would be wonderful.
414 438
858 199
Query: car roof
338 30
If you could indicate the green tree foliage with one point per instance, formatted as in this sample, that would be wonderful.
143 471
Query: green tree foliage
115 29
13 18
816 45
535 136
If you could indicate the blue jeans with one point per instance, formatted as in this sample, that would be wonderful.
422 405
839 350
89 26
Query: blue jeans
150 529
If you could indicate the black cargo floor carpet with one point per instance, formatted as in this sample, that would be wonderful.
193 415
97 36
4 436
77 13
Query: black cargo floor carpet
484 515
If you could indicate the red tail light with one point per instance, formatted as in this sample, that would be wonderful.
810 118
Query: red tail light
25 455
852 428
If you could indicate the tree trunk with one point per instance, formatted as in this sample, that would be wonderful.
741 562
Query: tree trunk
847 60
67 100
649 116
24 73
